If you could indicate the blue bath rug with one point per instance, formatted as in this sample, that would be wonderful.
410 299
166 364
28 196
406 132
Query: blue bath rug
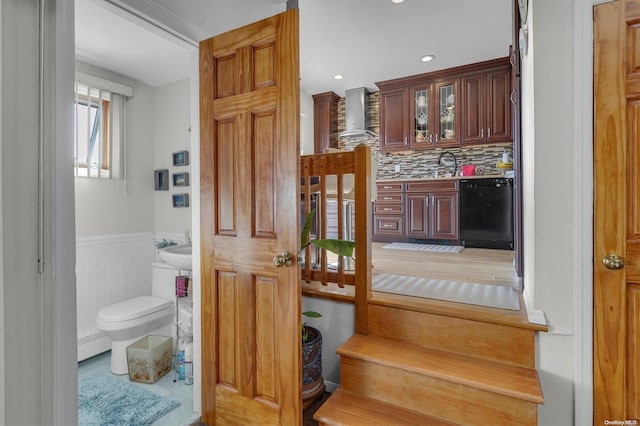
105 400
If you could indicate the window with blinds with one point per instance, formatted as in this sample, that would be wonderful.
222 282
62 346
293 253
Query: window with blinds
99 130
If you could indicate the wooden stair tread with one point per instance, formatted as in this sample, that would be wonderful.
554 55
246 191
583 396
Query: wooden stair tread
509 380
458 310
347 408
507 317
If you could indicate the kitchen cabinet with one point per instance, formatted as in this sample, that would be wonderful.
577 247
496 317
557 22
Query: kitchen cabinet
462 105
388 212
487 107
434 120
325 121
416 210
432 210
394 119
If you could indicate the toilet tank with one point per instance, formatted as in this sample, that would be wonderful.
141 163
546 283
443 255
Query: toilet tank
164 281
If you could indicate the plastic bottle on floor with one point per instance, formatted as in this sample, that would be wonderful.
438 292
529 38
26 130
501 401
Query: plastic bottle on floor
180 359
188 363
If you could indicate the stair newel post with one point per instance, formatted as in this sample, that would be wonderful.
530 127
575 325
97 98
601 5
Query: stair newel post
363 213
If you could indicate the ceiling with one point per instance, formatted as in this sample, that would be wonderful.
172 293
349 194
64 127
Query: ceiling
364 40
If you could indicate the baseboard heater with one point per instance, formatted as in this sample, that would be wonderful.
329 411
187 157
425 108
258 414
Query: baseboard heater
92 345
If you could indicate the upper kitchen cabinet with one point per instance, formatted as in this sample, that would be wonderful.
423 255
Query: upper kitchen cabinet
467 104
325 121
486 105
394 119
434 121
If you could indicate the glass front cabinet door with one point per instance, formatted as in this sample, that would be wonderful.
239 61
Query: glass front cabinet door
422 119
433 108
447 122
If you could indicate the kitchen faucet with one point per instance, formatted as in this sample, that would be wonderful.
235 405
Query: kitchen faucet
455 160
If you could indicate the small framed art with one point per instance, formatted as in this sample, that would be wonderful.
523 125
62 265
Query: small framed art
180 200
161 180
181 179
181 158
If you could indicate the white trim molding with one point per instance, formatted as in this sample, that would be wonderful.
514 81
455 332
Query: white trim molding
161 21
104 84
583 215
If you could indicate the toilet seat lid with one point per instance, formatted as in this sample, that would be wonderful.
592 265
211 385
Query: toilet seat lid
133 308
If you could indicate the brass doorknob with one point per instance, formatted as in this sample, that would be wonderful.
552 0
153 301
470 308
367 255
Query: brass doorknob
613 261
285 259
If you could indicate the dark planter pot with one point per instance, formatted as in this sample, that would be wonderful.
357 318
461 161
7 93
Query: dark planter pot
312 382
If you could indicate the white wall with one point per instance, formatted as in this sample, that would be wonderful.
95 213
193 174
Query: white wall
171 124
38 373
109 206
547 139
306 123
19 212
337 325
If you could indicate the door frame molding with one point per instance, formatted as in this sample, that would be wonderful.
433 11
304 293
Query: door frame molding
583 205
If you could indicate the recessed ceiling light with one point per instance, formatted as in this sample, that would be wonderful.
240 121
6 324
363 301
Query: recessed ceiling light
397 1
338 77
428 58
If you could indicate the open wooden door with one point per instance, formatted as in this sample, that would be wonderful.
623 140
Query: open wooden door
251 319
616 274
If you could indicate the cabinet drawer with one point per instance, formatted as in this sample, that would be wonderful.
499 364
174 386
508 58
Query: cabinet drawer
383 208
434 185
390 198
390 186
388 225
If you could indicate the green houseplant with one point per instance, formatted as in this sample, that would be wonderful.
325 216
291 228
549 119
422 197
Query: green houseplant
339 247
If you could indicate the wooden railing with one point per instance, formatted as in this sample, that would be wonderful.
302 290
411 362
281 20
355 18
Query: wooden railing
344 178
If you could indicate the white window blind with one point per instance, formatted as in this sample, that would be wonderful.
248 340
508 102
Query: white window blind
99 130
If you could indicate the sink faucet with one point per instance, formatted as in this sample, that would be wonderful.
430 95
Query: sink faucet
455 160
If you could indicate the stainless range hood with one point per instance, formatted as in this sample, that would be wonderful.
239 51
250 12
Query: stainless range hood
357 120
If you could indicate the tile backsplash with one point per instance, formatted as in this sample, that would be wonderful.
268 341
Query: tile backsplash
422 163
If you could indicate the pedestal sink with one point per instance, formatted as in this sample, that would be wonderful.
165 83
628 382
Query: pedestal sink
177 256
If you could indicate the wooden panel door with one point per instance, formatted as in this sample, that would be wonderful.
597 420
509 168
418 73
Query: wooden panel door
616 286
499 106
418 215
394 126
473 102
249 110
444 215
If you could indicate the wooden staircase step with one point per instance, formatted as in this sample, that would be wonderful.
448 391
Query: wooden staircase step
497 342
458 310
347 408
504 379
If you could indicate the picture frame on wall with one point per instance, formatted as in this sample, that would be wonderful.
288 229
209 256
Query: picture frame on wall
180 200
161 180
181 158
181 179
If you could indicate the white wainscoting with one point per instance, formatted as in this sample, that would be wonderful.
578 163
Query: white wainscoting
109 269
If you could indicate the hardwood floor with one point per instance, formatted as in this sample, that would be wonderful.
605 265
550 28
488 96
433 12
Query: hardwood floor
483 266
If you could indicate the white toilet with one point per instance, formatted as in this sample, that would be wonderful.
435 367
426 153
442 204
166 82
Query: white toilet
128 321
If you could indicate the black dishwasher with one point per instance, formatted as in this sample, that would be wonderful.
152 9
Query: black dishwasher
486 213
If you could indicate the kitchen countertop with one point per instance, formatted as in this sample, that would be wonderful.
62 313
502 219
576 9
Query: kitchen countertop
439 178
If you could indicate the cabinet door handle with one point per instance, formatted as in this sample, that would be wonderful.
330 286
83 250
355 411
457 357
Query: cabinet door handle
426 201
482 134
489 133
387 187
436 138
387 198
387 226
430 137
387 209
